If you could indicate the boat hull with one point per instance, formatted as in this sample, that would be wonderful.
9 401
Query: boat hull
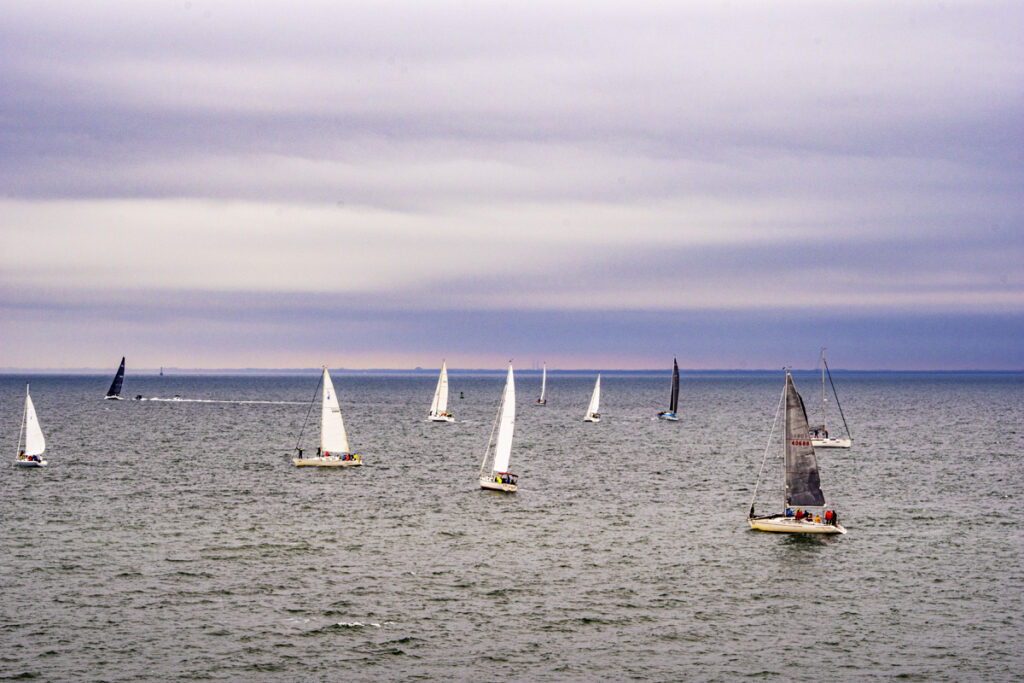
831 443
591 418
492 485
671 417
442 418
112 398
30 463
540 402
329 461
781 524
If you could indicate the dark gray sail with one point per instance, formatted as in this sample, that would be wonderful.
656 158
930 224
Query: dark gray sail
673 403
115 386
803 484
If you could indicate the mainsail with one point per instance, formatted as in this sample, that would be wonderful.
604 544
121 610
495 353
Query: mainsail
439 406
333 439
595 398
673 402
115 386
35 443
543 383
803 484
506 424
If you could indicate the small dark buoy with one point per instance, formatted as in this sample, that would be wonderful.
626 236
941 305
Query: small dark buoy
460 395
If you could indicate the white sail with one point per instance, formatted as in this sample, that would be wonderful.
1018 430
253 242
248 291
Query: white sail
543 383
507 422
35 442
333 439
439 406
595 399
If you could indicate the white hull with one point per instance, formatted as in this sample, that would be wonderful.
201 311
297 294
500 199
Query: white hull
113 398
491 484
328 461
592 418
442 418
668 416
539 402
791 525
30 463
832 443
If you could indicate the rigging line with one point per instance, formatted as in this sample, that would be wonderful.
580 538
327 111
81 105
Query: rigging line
310 410
766 448
838 405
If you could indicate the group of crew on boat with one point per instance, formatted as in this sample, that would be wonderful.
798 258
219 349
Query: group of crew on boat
327 454
830 517
506 478
29 458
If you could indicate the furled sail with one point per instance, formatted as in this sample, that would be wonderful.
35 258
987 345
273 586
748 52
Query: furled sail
115 386
35 443
803 484
333 439
673 403
506 424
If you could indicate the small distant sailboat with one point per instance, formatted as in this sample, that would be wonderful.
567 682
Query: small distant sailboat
819 435
334 450
114 392
593 409
498 478
803 482
35 442
673 401
439 406
543 387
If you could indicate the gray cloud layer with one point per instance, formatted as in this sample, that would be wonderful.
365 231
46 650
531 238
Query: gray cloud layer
848 157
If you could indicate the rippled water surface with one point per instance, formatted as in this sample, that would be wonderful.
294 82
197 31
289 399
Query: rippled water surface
174 539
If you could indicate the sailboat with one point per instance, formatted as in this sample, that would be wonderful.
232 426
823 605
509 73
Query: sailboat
334 450
819 435
595 403
673 401
35 442
439 406
498 478
802 491
114 392
543 387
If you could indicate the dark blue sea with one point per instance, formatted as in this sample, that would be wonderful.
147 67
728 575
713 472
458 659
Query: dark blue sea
175 540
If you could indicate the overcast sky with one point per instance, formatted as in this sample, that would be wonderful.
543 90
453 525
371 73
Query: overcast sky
257 184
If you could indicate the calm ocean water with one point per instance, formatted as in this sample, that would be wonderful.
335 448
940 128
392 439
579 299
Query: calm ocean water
176 540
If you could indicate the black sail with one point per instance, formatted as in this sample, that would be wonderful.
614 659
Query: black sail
115 386
803 484
673 403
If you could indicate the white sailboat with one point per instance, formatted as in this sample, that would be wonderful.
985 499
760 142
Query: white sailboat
543 387
114 392
439 406
498 478
334 450
819 434
593 408
805 510
34 442
673 398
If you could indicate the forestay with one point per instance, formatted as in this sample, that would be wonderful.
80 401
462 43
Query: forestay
803 484
332 428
